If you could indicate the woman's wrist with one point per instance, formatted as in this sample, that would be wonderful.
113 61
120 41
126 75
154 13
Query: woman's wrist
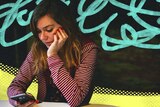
53 54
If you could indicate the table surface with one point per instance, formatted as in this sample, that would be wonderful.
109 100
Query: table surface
5 103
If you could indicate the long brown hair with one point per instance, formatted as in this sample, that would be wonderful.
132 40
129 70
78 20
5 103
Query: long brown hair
71 51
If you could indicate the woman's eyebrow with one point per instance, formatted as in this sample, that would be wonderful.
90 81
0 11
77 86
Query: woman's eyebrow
48 26
45 27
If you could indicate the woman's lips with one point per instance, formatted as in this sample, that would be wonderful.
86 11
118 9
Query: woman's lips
48 43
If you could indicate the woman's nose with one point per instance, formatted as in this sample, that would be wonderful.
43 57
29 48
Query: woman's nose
43 36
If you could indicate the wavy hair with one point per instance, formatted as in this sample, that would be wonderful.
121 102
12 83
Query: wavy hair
70 53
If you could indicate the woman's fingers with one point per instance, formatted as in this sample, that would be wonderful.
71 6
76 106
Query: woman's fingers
27 104
65 36
62 35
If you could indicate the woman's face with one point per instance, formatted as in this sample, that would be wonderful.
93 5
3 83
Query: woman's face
47 28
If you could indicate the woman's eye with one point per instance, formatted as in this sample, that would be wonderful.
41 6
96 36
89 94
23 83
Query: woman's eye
49 30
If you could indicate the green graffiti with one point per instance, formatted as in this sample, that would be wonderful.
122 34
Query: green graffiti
158 0
67 2
11 15
139 38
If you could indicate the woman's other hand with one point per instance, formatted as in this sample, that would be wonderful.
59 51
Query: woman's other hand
27 104
30 103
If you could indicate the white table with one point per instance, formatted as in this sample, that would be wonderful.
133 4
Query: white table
5 103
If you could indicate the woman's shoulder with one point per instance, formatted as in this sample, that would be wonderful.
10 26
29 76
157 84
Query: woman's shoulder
87 43
87 40
29 56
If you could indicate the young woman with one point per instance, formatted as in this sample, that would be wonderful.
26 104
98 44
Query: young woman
62 58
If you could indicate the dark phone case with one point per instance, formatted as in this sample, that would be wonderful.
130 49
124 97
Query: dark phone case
22 98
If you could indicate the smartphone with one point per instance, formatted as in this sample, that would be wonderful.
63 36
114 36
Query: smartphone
22 98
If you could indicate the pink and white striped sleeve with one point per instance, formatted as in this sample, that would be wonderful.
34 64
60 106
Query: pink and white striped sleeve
74 90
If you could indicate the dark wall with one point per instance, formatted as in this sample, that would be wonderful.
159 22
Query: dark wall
129 68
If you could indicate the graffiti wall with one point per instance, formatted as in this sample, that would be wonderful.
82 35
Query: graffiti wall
126 31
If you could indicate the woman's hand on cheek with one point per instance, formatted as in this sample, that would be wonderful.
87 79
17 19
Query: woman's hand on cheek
59 40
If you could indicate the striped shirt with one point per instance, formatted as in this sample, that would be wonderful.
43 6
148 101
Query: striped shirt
75 90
